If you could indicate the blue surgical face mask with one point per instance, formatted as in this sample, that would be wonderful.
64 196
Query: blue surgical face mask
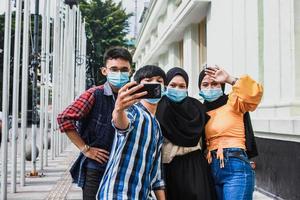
211 94
118 79
176 95
153 101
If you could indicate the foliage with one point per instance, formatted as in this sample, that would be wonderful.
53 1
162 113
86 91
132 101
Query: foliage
106 26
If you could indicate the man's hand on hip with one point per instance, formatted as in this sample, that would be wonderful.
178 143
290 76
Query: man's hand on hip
100 155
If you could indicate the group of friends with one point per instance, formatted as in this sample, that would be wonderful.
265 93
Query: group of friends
174 147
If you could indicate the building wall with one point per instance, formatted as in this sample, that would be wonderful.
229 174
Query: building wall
256 37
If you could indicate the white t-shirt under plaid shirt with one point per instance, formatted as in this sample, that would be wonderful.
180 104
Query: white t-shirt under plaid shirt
134 167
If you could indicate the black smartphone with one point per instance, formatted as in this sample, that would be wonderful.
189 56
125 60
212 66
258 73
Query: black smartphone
153 90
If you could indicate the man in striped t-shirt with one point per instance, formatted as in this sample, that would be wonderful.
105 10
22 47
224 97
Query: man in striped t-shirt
135 167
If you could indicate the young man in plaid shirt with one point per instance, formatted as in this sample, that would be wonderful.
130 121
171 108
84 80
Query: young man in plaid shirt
87 122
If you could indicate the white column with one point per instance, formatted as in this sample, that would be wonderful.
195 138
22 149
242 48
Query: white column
173 56
160 25
61 73
239 35
47 81
279 71
42 83
84 57
162 61
78 53
191 57
15 105
24 89
55 79
5 98
296 57
72 52
170 11
245 38
220 34
251 37
272 54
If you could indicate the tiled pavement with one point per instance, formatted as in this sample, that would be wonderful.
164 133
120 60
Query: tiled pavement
56 184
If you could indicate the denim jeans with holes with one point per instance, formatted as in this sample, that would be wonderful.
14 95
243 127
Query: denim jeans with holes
236 180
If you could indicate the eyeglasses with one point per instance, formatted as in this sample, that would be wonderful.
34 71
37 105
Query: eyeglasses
115 69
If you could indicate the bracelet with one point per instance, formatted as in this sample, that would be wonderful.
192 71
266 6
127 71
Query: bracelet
85 149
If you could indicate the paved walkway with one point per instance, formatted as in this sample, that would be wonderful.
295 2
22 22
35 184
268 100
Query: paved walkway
56 183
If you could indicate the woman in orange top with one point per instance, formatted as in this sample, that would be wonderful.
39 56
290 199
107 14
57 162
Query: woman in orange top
229 136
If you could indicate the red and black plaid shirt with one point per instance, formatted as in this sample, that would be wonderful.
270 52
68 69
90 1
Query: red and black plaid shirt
77 110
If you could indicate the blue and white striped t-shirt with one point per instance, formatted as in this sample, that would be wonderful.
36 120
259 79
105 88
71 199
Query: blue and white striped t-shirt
134 167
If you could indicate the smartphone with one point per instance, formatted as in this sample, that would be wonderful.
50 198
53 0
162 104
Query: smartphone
153 90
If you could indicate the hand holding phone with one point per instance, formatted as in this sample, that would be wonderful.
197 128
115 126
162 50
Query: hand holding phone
128 96
153 91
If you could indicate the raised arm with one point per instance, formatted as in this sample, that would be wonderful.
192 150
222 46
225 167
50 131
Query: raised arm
126 98
246 93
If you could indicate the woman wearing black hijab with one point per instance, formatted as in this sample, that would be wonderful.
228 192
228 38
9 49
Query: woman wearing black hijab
182 121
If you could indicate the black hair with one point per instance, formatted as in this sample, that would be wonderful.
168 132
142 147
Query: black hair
201 77
149 71
115 53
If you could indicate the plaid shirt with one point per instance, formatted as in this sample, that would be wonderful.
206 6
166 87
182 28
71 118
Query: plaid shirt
77 110
95 102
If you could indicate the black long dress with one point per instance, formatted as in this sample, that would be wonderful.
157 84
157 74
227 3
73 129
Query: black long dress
188 176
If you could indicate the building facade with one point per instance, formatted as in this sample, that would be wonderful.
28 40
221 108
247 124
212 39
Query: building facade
256 37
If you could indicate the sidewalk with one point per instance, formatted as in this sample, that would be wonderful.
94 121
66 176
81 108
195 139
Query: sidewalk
56 184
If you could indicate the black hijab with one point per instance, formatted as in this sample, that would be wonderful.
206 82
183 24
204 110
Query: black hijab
182 123
177 71
251 148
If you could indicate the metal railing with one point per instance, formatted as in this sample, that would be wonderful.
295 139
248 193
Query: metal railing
63 77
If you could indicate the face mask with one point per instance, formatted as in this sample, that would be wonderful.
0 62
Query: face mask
118 79
153 101
176 95
211 94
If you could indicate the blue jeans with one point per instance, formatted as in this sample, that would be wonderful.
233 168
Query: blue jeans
236 180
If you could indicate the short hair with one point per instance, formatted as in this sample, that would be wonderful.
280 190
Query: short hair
149 71
115 53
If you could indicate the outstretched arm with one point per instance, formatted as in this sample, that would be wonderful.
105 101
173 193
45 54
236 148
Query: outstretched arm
126 98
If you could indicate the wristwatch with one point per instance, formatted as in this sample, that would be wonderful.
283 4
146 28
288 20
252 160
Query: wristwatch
85 149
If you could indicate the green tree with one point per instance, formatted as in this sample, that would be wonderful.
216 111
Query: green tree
106 26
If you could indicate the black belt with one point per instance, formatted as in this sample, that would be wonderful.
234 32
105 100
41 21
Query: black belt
233 154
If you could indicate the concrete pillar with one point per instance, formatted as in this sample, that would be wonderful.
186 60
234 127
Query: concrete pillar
191 57
296 73
173 56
